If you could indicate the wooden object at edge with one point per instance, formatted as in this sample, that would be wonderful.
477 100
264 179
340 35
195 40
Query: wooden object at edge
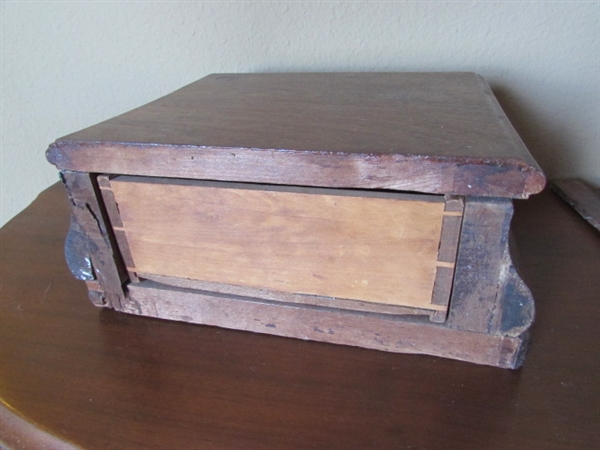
490 309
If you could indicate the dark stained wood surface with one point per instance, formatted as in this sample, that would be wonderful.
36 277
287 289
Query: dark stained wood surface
354 113
582 197
442 133
99 379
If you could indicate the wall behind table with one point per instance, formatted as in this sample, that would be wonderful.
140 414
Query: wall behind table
69 65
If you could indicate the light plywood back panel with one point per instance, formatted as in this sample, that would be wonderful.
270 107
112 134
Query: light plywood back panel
367 246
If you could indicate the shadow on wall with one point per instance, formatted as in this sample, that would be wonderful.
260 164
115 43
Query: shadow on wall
545 141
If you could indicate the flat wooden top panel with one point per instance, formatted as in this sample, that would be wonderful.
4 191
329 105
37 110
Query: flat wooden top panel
105 380
436 114
389 117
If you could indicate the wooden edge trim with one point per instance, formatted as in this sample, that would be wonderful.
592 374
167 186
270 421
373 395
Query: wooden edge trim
442 286
17 433
104 181
450 235
406 335
448 248
116 224
123 245
514 350
285 297
439 316
109 202
338 192
454 204
501 177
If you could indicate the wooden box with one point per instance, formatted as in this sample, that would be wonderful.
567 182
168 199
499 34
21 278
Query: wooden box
360 209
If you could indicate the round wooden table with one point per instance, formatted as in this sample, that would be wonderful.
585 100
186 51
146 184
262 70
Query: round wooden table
74 376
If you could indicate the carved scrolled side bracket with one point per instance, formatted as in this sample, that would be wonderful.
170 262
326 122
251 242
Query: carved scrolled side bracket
78 252
89 250
489 296
518 307
516 313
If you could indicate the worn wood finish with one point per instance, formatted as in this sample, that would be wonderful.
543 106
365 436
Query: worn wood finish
98 379
92 243
385 333
483 265
447 253
292 231
352 245
333 130
286 297
116 226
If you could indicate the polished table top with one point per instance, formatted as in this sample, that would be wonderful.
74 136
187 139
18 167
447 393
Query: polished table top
74 376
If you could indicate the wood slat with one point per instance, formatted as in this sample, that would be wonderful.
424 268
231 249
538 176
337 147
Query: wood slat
364 330
117 226
426 132
287 297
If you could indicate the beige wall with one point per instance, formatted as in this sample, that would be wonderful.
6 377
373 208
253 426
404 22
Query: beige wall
68 65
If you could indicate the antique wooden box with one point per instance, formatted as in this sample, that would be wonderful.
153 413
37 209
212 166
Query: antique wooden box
350 208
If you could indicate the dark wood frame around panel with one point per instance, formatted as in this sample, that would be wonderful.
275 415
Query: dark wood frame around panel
489 313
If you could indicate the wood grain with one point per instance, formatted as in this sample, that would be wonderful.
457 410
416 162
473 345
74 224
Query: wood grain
482 265
371 331
440 133
116 226
447 253
286 297
371 247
